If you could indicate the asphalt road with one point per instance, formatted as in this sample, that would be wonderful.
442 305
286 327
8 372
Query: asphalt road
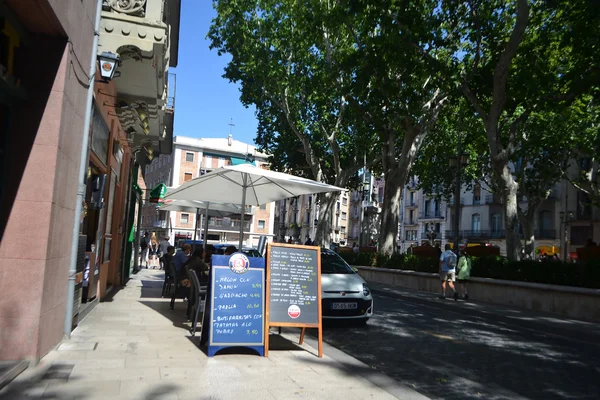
466 350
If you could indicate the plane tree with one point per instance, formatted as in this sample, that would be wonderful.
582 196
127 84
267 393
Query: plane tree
512 59
291 65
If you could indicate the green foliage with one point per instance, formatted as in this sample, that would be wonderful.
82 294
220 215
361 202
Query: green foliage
550 272
495 267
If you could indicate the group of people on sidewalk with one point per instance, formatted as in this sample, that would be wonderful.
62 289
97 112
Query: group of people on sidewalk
449 266
152 251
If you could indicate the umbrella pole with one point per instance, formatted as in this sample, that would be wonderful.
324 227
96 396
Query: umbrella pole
243 212
196 225
205 227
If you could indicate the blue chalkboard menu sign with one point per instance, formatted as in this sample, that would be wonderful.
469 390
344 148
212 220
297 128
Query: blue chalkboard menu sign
235 302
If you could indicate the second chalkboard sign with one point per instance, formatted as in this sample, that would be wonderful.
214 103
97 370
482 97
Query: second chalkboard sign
293 295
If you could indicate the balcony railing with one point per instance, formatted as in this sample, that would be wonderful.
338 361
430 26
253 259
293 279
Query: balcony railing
425 235
476 201
160 224
233 225
493 199
431 215
410 222
545 233
451 201
411 203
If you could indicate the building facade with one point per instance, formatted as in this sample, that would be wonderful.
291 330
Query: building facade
296 218
190 159
46 68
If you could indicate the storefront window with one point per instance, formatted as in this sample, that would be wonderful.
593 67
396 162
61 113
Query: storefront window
100 134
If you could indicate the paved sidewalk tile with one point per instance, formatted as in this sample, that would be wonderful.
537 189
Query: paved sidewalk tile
135 347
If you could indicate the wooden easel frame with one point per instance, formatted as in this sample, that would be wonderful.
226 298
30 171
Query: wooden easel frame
267 310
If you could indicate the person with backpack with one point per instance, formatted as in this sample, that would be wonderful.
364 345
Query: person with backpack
447 271
464 273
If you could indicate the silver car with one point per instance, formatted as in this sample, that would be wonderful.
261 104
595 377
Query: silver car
345 294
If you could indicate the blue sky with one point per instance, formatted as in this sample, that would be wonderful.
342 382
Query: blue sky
205 102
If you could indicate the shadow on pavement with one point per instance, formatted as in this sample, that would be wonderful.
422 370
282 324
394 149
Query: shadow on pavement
448 351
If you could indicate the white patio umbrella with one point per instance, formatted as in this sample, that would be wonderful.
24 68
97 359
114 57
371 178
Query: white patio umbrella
253 185
210 210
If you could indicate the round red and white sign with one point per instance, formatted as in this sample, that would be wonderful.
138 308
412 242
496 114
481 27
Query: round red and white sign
294 311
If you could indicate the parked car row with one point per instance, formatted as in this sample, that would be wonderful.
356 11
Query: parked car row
345 295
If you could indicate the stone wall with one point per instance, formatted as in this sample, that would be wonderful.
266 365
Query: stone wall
568 301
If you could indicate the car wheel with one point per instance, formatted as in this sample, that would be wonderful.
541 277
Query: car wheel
361 322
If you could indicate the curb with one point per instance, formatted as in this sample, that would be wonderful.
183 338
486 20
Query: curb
13 372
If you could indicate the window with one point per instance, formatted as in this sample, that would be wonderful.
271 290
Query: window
411 217
411 235
263 206
344 216
355 211
476 223
343 230
207 162
189 157
496 222
345 201
100 135
187 176
221 162
412 198
545 220
185 218
477 194
261 224
437 227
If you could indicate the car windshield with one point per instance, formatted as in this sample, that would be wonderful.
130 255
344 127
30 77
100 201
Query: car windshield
331 263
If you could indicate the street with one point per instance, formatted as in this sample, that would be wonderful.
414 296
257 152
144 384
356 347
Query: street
465 350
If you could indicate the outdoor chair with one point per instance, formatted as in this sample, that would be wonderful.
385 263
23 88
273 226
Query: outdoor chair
199 299
178 291
169 281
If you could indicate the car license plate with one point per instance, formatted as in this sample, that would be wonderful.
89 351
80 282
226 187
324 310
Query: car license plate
344 306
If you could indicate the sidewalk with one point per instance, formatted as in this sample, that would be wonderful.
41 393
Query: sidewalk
133 347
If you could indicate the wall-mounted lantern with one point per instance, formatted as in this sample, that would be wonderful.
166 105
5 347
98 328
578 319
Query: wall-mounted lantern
108 65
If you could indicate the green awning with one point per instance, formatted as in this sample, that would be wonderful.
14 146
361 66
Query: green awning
238 161
137 189
158 193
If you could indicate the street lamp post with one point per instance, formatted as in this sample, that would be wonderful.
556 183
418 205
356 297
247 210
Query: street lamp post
457 162
362 203
565 218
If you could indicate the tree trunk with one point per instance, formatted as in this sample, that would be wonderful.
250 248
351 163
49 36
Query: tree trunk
390 212
326 208
528 223
511 216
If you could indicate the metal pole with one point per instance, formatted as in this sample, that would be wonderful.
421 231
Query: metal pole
402 216
137 237
245 179
82 175
196 224
362 203
205 227
457 190
566 222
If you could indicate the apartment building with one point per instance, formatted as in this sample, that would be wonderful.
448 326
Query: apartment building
368 201
190 159
297 218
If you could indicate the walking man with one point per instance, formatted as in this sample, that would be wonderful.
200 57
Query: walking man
447 271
